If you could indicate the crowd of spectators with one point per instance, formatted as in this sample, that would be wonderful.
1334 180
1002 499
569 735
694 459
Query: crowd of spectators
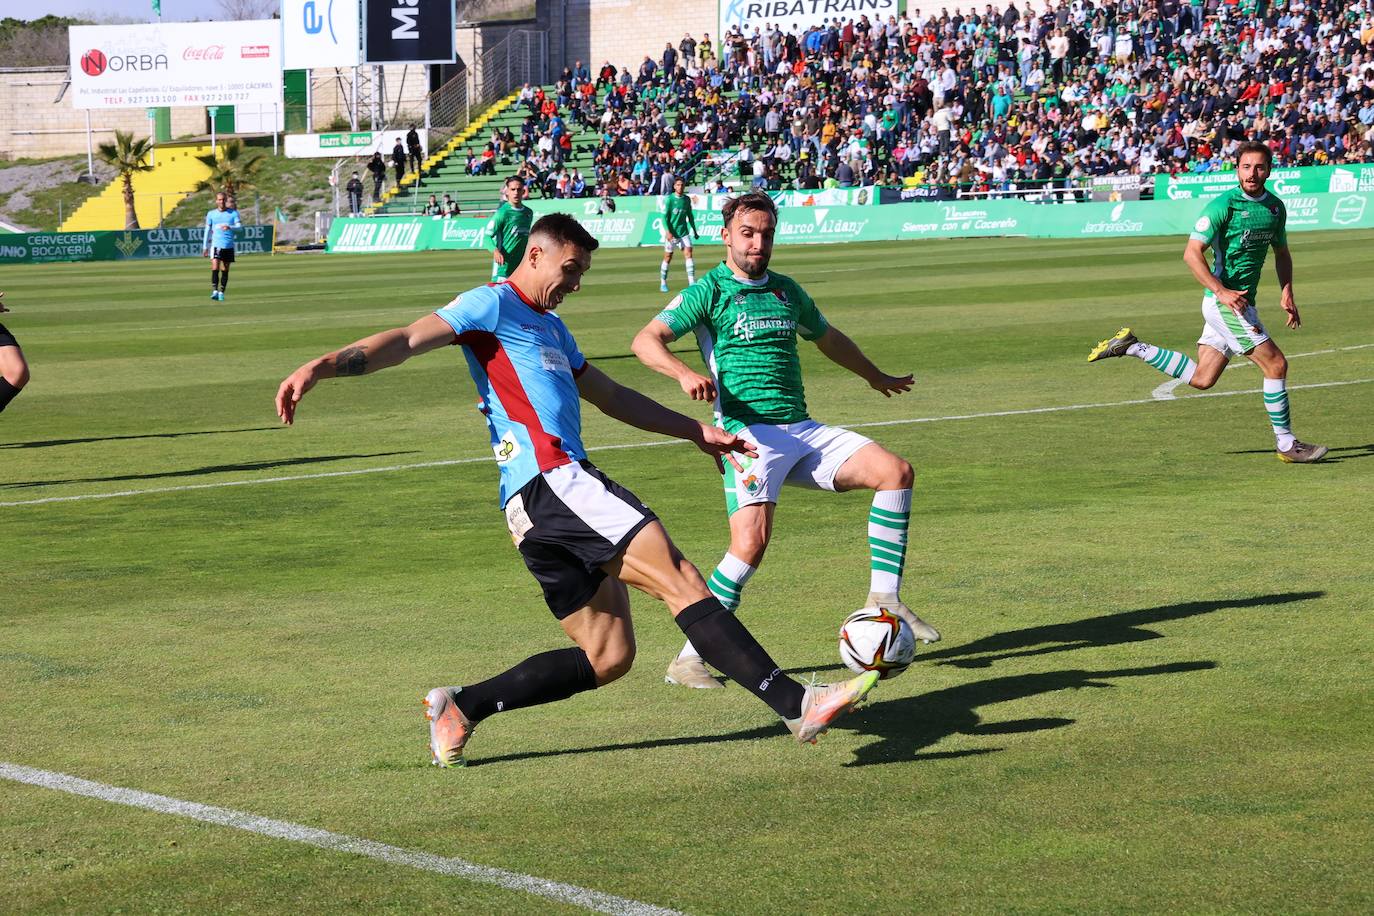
991 99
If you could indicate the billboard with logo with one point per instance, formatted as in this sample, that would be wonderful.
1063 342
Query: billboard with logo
349 143
129 245
176 64
1286 183
798 15
408 32
321 33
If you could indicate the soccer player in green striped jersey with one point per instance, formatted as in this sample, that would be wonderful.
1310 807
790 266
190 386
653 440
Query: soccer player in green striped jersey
1240 226
509 229
678 220
746 320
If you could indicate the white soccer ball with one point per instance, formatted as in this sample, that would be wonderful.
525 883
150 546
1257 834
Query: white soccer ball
875 639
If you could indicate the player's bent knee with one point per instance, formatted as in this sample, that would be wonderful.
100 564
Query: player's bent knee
612 664
906 475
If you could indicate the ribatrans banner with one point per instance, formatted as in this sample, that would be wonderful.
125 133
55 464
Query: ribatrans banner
798 15
321 33
1316 179
135 244
175 64
812 225
408 32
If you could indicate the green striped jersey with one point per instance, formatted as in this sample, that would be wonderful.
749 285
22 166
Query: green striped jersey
1241 230
747 331
510 230
678 216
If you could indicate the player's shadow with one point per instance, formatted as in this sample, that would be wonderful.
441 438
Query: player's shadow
1335 456
905 727
1091 632
200 472
48 443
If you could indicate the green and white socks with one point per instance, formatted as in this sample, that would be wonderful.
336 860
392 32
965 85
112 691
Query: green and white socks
691 271
727 584
888 520
1276 404
1170 362
663 273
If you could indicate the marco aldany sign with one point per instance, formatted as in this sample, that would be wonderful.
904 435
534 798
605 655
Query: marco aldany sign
409 32
320 33
175 64
798 15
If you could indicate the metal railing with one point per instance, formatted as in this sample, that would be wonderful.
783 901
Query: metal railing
494 73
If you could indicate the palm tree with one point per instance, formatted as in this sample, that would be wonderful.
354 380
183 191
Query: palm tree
236 168
128 155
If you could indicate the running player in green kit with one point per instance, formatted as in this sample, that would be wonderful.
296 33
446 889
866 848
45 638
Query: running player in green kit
1240 226
746 320
677 220
509 230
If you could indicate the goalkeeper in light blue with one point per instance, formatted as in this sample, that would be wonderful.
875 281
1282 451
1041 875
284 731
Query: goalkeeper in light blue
1240 227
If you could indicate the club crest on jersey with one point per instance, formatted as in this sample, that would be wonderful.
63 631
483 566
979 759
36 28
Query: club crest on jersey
781 296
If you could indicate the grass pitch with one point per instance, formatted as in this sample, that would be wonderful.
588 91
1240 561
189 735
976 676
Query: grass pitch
1153 692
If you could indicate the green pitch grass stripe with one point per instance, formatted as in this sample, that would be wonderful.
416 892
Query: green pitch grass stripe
299 833
1025 411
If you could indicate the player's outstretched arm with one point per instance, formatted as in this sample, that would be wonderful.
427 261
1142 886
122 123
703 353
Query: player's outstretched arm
388 348
842 351
629 406
651 346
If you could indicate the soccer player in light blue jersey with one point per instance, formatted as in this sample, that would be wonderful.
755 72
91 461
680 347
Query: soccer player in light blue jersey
218 244
583 536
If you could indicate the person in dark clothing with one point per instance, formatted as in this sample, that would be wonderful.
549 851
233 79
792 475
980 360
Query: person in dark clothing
415 151
377 167
398 159
14 369
355 195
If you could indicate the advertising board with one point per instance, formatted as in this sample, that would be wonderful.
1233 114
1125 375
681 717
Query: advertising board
321 33
176 64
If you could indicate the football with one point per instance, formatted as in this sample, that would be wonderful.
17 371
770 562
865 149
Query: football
875 639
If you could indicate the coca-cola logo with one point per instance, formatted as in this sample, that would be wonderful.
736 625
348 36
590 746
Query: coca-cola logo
95 62
209 52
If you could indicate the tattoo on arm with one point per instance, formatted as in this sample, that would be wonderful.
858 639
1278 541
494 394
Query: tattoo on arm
351 361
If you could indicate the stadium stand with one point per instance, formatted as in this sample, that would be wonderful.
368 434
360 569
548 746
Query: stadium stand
971 102
175 174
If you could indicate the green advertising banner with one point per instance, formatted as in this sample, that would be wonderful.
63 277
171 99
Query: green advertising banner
820 225
133 244
1286 183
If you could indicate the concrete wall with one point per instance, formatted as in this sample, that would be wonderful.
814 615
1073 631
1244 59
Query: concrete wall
623 31
32 125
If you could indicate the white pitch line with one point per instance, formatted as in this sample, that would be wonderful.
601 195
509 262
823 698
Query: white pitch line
1165 390
311 836
659 442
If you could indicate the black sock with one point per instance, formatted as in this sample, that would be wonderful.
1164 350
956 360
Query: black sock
223 279
214 278
727 646
7 393
541 678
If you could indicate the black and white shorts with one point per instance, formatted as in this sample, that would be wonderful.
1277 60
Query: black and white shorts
225 255
567 523
6 338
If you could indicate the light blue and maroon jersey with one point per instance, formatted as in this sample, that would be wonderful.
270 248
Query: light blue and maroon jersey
525 364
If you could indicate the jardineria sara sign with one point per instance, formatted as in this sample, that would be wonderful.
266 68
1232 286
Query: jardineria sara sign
802 225
134 244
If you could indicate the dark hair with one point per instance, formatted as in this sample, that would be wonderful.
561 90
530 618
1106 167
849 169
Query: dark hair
752 200
1254 146
515 178
565 230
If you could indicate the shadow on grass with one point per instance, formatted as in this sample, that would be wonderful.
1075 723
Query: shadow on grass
1106 630
904 727
1335 456
47 443
200 472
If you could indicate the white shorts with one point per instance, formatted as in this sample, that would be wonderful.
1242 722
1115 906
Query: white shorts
669 243
803 454
1228 332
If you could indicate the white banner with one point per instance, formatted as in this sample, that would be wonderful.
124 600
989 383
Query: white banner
358 143
798 15
320 33
176 64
